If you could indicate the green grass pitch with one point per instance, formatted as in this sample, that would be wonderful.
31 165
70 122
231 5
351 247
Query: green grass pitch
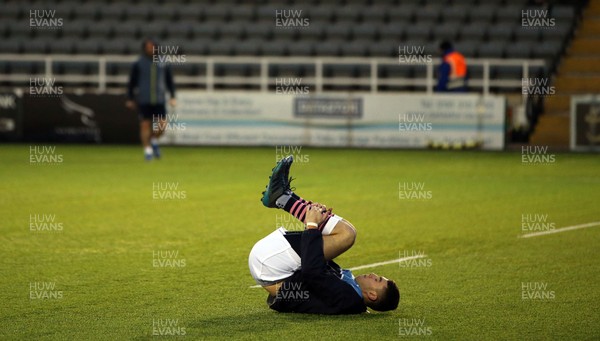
94 274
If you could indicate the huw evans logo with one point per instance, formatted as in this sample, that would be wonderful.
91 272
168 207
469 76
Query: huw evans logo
44 19
536 155
536 18
282 152
167 190
168 122
413 327
44 290
44 87
44 155
409 54
44 222
290 86
537 87
292 291
536 222
291 18
167 54
536 291
413 191
167 259
167 327
413 122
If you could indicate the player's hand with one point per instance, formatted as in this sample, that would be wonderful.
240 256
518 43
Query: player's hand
173 102
129 104
316 213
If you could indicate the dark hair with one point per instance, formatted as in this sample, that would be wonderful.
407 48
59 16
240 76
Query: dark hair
446 45
147 40
389 299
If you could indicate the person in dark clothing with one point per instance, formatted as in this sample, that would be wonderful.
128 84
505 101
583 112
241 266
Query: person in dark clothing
297 268
147 88
452 75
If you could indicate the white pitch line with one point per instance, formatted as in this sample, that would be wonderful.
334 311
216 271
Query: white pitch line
373 265
562 229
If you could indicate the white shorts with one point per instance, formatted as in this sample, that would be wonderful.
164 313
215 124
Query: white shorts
273 259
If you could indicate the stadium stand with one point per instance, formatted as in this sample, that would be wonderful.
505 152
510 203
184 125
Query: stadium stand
489 33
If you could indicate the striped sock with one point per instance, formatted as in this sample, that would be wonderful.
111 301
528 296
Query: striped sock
297 207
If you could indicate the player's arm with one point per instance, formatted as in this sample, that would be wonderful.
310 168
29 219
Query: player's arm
314 266
133 81
443 77
170 85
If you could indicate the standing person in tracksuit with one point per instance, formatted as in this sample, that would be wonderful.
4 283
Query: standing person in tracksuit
453 70
149 81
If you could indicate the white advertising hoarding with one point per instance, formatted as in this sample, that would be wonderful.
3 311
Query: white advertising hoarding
337 120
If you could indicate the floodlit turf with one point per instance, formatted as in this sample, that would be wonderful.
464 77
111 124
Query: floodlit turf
126 265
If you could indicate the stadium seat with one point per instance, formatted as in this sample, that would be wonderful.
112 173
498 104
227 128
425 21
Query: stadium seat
446 31
274 48
204 31
563 13
329 48
384 48
548 50
243 13
401 14
140 12
232 31
349 12
102 29
165 12
189 12
357 48
37 46
257 31
86 11
484 12
500 33
114 11
364 31
157 30
391 31
301 48
457 14
181 29
429 13
322 13
374 15
127 29
10 46
418 32
218 12
340 31
117 46
509 15
247 47
467 48
89 46
221 48
518 50
472 32
528 34
490 50
62 46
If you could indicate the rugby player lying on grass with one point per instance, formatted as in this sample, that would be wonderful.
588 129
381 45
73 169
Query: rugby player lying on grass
297 268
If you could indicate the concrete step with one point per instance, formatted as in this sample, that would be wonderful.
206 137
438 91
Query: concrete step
551 130
557 104
577 84
590 28
585 65
585 47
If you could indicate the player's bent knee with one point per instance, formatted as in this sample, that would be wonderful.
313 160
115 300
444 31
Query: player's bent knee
348 232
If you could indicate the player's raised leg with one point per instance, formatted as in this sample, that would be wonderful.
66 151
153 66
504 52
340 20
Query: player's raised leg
338 234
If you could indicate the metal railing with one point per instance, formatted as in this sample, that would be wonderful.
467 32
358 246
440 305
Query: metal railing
263 80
